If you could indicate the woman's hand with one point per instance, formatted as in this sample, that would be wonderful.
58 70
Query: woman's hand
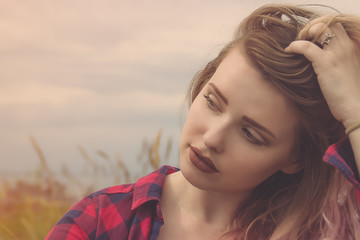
337 65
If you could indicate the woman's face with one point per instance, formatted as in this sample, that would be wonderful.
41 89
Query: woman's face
239 131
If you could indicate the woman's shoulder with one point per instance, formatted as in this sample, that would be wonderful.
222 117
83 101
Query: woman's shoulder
130 196
144 186
122 208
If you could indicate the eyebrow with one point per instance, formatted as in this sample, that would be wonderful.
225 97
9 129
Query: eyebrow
245 118
258 125
219 93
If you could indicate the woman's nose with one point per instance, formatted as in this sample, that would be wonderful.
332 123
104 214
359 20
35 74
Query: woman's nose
214 138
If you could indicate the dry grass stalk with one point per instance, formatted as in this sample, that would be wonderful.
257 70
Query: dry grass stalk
40 154
29 209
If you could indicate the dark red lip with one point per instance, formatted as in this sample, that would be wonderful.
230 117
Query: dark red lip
203 163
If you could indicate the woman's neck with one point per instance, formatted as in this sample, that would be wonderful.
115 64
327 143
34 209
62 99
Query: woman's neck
194 204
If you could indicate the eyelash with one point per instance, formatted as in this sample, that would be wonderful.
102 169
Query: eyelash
251 138
248 135
211 104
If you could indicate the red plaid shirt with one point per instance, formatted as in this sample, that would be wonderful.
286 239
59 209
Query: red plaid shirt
132 211
341 156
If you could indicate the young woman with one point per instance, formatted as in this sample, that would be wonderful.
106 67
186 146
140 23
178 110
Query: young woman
263 153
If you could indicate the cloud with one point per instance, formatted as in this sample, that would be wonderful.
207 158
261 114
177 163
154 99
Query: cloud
84 71
46 105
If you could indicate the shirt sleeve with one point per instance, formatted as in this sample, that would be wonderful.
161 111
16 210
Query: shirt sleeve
78 223
341 156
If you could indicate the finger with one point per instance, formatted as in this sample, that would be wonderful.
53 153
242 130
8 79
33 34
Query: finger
334 38
326 39
338 29
323 20
320 33
340 34
311 51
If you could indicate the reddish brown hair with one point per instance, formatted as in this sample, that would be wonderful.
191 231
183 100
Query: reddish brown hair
304 205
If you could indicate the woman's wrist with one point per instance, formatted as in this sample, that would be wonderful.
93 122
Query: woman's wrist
353 127
351 122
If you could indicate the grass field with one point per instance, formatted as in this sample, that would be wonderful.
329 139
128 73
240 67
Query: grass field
30 206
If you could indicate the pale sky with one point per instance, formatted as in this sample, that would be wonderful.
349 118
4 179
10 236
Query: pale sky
104 74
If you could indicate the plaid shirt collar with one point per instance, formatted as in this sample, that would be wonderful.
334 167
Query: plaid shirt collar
149 188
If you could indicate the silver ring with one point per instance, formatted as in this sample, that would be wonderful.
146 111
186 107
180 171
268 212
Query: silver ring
327 39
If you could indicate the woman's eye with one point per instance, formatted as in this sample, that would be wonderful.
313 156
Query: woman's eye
211 104
251 138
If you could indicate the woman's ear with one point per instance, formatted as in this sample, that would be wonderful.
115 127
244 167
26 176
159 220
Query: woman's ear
293 167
